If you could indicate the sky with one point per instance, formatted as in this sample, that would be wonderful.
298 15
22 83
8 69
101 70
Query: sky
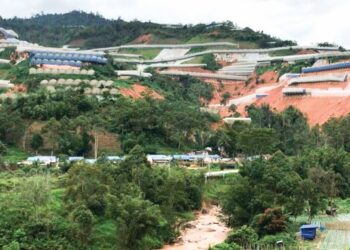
305 21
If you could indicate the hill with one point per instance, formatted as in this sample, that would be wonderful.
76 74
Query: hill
88 30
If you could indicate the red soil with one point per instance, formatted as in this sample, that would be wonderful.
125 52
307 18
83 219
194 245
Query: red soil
234 88
269 77
322 85
306 52
317 109
146 38
138 91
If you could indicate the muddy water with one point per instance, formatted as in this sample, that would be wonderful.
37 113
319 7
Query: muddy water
207 230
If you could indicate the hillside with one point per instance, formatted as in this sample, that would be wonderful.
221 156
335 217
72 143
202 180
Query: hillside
87 30
169 137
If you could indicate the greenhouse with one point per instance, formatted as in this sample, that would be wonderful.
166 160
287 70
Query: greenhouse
62 56
333 66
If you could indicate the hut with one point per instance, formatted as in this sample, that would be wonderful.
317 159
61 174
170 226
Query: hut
308 232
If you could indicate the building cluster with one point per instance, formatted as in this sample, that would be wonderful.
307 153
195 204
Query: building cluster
153 159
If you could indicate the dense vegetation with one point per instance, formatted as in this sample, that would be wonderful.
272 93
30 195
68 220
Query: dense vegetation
69 117
107 206
307 172
92 30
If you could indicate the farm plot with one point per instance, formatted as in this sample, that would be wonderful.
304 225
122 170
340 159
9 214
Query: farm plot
336 240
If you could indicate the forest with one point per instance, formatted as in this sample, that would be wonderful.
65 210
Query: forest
89 30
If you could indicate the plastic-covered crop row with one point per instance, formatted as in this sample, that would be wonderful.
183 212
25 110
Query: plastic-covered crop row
55 62
34 71
76 82
333 66
91 91
70 57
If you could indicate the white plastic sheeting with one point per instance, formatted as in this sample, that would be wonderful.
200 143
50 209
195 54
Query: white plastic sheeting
318 78
76 82
136 73
58 71
6 84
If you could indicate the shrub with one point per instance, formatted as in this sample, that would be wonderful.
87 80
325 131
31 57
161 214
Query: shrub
272 221
243 237
226 246
272 239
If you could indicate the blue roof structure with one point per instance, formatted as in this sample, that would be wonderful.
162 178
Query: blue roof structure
68 56
333 66
308 226
308 231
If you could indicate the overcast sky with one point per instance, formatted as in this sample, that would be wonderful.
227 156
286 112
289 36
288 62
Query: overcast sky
306 21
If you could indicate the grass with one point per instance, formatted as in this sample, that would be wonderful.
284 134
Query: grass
215 188
14 155
195 60
286 52
343 206
122 84
105 232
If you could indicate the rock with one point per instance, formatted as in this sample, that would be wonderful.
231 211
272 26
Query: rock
204 211
190 225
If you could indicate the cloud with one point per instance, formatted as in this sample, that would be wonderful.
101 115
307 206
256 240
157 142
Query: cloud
306 21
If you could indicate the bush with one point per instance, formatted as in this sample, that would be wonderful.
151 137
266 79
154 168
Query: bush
272 239
272 221
226 246
244 236
211 63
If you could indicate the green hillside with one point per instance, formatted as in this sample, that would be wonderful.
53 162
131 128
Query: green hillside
90 30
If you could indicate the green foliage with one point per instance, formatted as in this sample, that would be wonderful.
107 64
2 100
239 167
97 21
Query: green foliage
37 141
211 63
90 30
7 52
270 240
244 237
272 221
226 246
283 68
257 141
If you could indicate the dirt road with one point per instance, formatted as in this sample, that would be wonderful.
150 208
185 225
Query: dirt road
207 230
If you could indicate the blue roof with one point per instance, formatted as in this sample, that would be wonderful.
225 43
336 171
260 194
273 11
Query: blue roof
68 56
308 227
333 66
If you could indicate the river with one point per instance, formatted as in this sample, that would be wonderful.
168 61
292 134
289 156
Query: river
207 230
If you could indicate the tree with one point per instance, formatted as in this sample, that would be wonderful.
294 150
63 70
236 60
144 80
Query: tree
136 220
85 185
37 142
3 148
225 97
272 221
257 141
82 219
